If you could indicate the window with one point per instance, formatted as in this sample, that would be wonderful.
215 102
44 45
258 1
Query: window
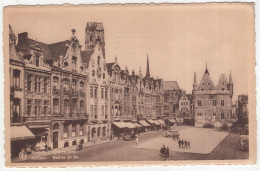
102 110
105 112
74 62
16 78
37 107
104 75
65 131
222 116
39 84
35 83
73 85
66 84
199 114
214 103
29 83
98 60
214 114
105 93
55 105
80 130
37 60
81 86
73 133
222 103
45 107
112 110
55 83
45 84
91 91
102 93
73 106
223 89
199 102
93 73
95 112
66 106
29 107
92 110
82 109
95 92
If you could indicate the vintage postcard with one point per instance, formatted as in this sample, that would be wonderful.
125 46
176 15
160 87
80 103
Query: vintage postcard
169 84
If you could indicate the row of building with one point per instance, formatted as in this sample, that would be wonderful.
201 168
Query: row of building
63 94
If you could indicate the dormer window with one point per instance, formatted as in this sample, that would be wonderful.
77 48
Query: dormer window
37 60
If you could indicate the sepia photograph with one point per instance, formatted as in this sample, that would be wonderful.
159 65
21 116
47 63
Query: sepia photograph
112 84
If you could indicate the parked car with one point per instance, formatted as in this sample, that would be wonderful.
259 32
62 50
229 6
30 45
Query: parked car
225 127
172 133
208 125
243 143
129 137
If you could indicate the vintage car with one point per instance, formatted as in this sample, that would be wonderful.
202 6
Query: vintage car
172 133
129 137
243 143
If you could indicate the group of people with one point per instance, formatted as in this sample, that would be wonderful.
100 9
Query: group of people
184 144
165 152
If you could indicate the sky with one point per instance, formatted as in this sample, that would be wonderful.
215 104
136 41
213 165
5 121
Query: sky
179 40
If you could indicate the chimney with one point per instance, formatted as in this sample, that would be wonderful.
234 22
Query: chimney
22 36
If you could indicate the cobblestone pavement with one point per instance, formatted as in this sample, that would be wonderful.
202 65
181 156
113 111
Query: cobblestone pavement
122 151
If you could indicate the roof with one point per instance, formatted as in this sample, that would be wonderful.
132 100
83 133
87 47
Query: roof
86 55
58 49
222 83
109 66
170 85
206 83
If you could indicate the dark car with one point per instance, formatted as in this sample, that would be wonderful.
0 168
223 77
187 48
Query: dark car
208 125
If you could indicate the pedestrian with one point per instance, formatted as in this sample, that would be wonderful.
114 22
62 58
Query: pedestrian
182 144
188 143
136 141
185 142
179 142
167 152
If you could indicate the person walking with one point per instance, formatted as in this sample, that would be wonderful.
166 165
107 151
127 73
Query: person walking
186 145
167 152
136 140
179 142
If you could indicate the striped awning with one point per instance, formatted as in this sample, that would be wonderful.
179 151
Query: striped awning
120 124
21 133
144 123
157 122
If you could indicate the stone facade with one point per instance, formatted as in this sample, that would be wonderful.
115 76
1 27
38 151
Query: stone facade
212 104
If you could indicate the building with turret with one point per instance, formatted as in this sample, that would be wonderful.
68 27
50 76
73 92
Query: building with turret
212 104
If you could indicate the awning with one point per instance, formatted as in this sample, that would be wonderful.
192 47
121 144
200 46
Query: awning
130 125
172 120
137 125
161 122
21 133
39 131
144 123
120 124
157 122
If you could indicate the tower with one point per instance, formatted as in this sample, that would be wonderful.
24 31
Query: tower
147 67
195 84
94 34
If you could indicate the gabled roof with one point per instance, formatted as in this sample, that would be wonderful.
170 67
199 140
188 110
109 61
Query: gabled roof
86 55
170 85
206 83
109 66
222 83
58 49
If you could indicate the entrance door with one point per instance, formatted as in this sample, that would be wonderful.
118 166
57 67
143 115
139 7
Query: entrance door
55 139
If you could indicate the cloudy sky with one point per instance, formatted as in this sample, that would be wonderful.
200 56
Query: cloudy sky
178 39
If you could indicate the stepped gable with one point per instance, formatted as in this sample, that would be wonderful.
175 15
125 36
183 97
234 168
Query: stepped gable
222 83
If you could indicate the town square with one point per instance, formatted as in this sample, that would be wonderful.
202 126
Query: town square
129 88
